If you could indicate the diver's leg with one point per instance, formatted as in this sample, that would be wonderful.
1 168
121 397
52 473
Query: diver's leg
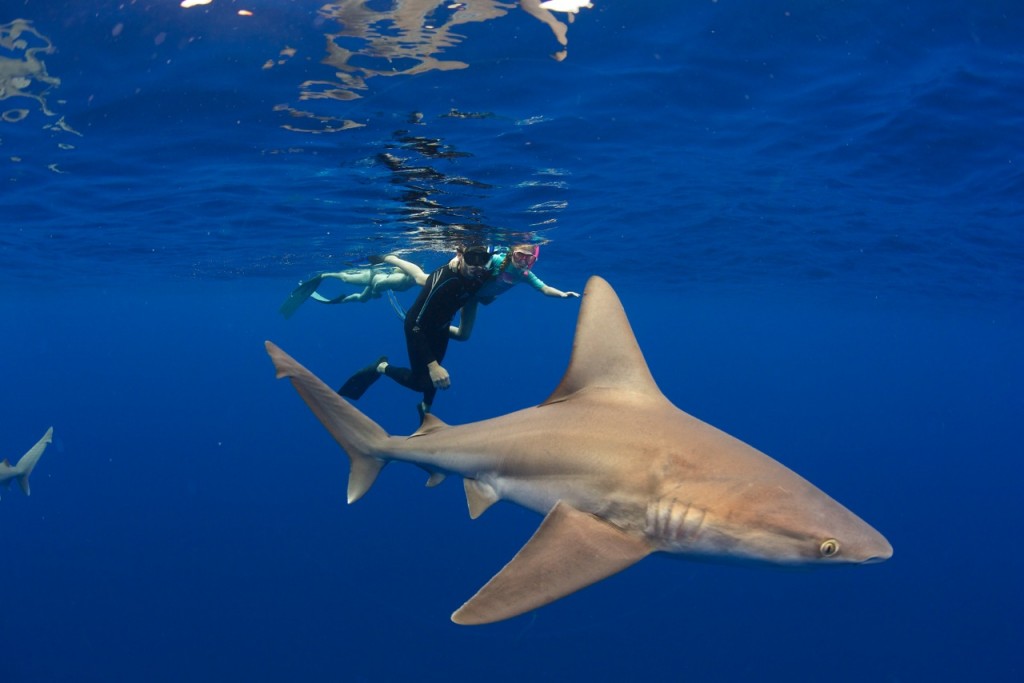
407 267
363 276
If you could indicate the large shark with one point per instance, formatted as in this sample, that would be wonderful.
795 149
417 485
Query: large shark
25 464
617 471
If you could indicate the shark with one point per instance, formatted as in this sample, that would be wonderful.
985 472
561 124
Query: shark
26 463
618 472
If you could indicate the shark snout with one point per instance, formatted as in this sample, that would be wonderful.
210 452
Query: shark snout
881 553
870 548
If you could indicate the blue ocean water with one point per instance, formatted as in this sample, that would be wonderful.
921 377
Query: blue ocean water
811 212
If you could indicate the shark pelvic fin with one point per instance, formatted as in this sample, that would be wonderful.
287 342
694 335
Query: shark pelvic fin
479 496
605 352
360 436
569 551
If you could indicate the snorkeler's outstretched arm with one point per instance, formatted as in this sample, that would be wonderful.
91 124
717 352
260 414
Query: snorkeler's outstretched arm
548 290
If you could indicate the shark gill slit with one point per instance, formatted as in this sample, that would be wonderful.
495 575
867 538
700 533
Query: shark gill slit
672 520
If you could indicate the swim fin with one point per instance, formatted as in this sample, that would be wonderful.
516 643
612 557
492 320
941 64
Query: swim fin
356 385
299 295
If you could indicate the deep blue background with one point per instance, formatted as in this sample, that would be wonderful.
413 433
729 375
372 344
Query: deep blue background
811 213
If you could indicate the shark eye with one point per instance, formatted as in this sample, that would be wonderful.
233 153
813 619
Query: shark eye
829 548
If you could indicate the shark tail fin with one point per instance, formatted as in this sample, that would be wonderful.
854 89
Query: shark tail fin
28 461
358 435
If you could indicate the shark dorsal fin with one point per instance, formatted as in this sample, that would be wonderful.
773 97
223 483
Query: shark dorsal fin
605 352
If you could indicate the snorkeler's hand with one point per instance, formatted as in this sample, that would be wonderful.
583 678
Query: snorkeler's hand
574 295
438 375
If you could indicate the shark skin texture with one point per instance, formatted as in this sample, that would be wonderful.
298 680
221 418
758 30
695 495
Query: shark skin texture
617 471
26 463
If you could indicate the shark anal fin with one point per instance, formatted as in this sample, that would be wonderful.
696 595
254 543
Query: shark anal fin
479 496
569 551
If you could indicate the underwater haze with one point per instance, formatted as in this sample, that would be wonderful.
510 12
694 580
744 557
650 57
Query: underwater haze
811 211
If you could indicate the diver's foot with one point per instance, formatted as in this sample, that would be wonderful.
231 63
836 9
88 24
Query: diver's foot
422 408
357 384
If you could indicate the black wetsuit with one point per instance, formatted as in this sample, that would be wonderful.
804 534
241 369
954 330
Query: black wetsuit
426 327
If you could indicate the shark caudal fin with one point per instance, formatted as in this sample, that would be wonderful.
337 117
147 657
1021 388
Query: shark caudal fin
605 352
25 465
360 436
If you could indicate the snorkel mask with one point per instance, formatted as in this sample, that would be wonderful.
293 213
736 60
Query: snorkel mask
476 259
524 260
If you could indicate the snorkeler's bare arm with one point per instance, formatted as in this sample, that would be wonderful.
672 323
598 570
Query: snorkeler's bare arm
551 291
466 320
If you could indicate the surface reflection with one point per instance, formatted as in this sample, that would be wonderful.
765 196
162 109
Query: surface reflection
434 209
25 84
404 38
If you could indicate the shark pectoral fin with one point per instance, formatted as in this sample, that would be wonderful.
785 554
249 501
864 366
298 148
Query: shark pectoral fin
569 551
479 496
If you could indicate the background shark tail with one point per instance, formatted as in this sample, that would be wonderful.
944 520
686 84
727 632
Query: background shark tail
29 460
360 436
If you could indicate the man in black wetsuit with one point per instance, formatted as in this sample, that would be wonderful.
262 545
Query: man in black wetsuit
428 328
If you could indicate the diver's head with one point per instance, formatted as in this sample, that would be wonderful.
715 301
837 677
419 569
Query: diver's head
473 260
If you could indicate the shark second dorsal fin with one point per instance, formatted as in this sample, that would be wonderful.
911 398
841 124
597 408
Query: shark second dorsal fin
429 424
569 551
605 352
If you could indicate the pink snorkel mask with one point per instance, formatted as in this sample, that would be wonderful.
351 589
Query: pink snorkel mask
525 261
